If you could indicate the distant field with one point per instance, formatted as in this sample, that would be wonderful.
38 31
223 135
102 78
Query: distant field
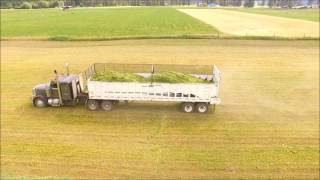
267 126
304 14
247 24
100 23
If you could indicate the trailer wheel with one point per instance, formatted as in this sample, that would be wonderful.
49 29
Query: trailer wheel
202 107
187 107
40 103
106 105
93 105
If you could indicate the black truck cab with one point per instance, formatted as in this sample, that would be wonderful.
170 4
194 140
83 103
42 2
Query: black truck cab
64 90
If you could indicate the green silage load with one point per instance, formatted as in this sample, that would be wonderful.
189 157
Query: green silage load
114 76
164 77
175 77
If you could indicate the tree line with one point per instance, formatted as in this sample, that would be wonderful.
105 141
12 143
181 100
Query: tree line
246 3
94 3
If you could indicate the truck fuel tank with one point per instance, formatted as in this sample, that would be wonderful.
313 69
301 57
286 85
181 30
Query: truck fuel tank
54 101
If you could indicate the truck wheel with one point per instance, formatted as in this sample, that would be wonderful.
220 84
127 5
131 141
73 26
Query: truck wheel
40 103
93 105
106 105
202 107
187 107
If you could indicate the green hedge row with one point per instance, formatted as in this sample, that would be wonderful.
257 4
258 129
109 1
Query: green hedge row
33 5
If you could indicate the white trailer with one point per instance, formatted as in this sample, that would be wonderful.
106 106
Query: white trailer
192 96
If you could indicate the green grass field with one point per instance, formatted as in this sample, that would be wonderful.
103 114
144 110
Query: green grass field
267 126
100 23
304 14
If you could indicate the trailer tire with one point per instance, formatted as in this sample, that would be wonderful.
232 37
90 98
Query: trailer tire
40 102
106 105
187 107
202 107
93 105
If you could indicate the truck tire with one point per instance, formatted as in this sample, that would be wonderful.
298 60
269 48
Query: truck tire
202 107
187 107
106 105
93 105
40 102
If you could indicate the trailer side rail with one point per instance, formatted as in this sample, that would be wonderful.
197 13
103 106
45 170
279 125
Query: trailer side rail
152 92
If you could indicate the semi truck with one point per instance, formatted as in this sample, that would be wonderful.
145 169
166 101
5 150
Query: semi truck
72 89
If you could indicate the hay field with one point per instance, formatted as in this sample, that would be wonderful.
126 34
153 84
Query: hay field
100 23
266 127
304 14
248 24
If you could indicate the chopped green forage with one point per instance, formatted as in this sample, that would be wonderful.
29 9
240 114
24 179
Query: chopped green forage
164 77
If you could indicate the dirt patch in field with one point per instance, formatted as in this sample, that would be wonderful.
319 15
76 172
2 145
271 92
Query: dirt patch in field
246 24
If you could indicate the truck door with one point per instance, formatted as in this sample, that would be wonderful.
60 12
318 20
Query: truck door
74 89
66 91
53 90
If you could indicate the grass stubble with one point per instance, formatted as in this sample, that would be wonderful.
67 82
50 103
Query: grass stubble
266 127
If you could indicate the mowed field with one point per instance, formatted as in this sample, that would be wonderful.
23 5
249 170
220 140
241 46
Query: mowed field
100 23
266 127
251 24
304 14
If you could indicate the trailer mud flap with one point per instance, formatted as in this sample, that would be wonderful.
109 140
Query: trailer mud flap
215 101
